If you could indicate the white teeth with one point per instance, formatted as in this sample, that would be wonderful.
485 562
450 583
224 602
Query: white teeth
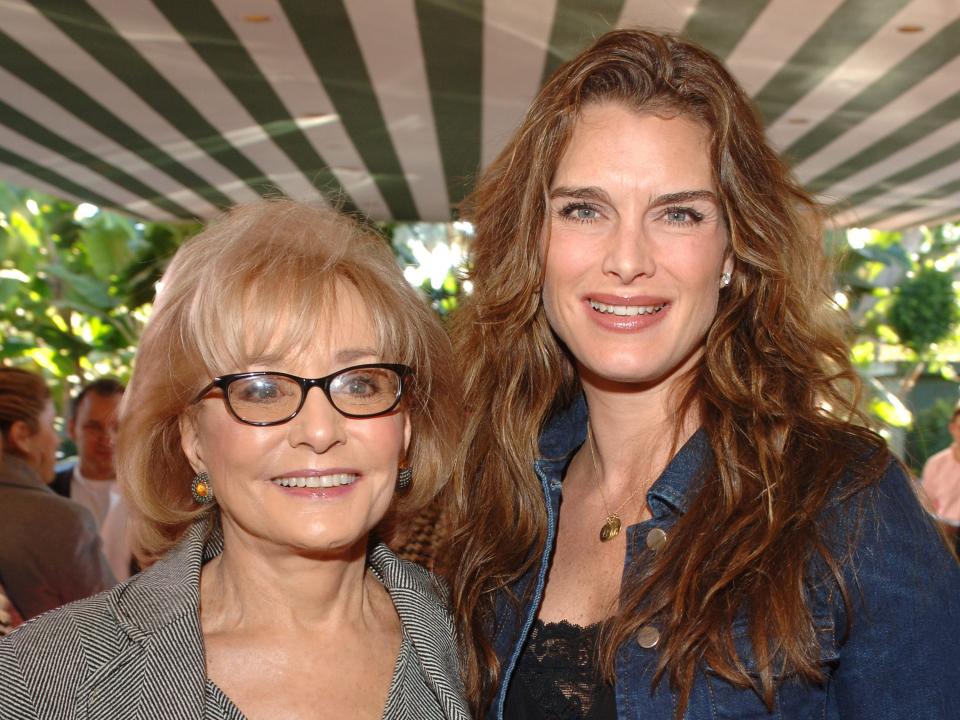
626 310
316 481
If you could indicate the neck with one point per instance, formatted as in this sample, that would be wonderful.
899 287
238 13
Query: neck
254 583
89 473
634 432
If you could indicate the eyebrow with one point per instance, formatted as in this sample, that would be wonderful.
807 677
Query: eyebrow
580 193
599 194
685 196
351 354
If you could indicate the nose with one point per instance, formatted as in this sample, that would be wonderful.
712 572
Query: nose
629 252
318 425
110 436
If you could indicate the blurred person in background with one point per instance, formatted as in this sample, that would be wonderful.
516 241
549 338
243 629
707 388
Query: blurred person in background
92 480
50 552
941 480
9 617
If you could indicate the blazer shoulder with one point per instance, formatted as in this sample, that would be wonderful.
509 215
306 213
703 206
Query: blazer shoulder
71 516
79 633
52 661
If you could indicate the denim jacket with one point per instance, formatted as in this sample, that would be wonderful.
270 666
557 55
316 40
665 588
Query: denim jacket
899 660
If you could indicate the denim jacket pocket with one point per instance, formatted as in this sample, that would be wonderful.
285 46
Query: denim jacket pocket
794 697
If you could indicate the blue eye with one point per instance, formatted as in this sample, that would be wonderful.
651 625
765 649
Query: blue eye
360 388
682 216
260 390
361 385
580 212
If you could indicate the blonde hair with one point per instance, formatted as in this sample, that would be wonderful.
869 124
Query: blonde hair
261 282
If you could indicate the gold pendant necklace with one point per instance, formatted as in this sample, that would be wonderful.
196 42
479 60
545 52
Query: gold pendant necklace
611 526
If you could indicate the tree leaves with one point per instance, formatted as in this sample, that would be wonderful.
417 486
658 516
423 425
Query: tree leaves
924 309
73 292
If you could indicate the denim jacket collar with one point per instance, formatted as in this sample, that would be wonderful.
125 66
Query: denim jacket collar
562 436
566 431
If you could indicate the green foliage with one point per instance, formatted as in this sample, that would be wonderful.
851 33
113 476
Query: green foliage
75 287
929 433
898 289
924 309
431 254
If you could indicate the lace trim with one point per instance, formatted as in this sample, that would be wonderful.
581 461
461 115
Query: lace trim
557 675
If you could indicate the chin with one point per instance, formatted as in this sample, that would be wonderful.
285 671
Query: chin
331 539
630 374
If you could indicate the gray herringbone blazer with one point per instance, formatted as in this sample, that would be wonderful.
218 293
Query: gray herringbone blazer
137 651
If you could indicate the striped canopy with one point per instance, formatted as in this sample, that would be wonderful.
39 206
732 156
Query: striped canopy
175 108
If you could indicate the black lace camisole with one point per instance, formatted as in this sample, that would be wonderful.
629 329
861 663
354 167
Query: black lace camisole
557 677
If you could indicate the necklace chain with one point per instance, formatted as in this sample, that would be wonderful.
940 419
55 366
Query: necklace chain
611 526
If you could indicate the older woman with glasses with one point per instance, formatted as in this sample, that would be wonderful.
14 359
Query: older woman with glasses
260 500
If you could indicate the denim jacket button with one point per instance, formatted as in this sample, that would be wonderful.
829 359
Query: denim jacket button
656 539
648 636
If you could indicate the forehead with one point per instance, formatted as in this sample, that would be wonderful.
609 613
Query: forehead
611 142
341 330
97 406
348 319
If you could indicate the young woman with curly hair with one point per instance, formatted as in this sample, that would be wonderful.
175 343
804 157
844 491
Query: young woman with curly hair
667 504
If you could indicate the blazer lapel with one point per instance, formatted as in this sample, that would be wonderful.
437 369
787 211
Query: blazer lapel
421 603
163 671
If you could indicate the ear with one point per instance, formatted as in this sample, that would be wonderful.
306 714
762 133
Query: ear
728 263
407 432
72 429
190 441
20 435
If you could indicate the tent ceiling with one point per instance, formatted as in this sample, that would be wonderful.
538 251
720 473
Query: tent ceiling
175 108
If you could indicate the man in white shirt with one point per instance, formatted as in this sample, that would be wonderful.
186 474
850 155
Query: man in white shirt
92 480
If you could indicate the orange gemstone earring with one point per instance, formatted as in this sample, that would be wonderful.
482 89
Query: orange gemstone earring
201 489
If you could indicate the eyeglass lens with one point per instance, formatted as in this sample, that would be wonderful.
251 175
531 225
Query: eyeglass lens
271 398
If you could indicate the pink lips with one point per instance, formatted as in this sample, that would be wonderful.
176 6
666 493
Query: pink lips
627 322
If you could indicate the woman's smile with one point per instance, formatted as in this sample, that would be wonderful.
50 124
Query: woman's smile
626 314
316 484
316 480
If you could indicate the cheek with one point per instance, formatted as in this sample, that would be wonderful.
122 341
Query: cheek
388 437
551 311
379 441
229 449
562 267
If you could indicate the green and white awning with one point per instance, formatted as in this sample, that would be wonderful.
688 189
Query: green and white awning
176 108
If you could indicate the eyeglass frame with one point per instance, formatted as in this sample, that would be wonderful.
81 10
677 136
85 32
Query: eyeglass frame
223 382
